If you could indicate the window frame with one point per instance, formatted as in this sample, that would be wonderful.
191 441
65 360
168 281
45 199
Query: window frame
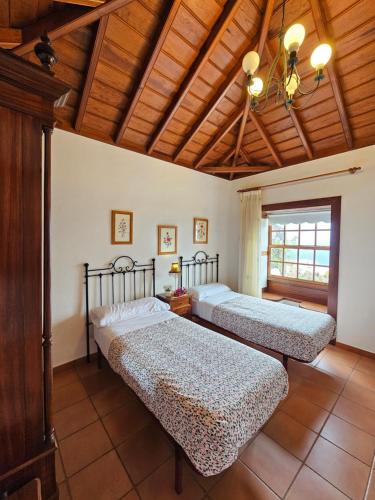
334 202
297 247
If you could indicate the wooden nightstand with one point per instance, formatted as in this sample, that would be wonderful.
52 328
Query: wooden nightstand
179 305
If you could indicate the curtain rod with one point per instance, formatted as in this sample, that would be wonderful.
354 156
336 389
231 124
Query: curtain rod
352 170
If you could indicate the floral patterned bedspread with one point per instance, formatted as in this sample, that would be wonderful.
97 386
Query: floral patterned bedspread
210 393
294 331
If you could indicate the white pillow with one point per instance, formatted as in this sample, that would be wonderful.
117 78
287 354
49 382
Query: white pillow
106 315
203 291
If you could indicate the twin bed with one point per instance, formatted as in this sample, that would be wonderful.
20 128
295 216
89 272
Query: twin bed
210 393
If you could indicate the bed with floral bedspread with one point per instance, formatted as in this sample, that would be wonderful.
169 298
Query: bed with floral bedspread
292 331
210 393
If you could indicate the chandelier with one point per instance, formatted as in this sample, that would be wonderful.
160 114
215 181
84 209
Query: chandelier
287 86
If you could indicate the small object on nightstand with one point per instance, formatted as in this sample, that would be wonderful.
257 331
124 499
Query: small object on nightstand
179 305
175 271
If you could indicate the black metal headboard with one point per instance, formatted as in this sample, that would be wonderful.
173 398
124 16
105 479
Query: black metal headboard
199 270
120 283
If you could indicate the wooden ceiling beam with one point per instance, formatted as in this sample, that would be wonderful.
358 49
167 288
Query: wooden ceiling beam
266 138
10 38
64 21
95 54
85 3
241 132
159 40
229 169
322 29
293 114
205 52
243 152
232 120
232 77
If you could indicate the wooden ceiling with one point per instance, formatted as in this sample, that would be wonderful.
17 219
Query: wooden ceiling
164 78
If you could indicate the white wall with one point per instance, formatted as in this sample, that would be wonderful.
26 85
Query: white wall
356 300
89 179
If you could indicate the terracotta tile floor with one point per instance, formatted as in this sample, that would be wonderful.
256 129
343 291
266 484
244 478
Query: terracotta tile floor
319 444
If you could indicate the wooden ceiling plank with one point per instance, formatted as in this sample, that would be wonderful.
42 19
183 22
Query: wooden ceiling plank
321 26
232 120
95 54
205 52
10 37
266 138
61 23
232 77
164 28
228 169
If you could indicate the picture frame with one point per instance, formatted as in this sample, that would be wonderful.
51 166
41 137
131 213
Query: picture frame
167 239
121 227
200 230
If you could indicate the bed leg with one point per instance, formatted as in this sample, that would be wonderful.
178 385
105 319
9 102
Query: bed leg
332 342
285 361
99 359
178 464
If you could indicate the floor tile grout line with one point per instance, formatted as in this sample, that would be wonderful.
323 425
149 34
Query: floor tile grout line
206 492
371 477
115 447
260 479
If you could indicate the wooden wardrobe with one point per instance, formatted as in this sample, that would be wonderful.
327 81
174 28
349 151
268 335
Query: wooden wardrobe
28 96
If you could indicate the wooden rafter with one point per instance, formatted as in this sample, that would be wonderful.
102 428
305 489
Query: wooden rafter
85 3
165 26
241 132
260 49
229 169
230 123
10 37
293 113
266 138
323 34
91 71
232 77
64 21
205 52
243 152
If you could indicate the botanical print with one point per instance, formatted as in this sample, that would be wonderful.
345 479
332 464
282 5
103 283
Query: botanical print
167 240
122 227
200 230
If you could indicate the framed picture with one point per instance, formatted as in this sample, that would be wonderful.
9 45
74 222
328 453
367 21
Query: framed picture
122 227
167 240
200 230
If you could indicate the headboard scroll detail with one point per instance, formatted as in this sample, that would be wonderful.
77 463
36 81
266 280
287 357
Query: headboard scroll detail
199 270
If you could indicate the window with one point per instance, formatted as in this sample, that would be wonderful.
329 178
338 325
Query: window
300 251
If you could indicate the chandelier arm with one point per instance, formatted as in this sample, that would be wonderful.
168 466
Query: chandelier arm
310 91
306 101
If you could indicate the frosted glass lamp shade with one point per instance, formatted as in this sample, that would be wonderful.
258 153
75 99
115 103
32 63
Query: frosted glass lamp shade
291 84
256 87
320 56
294 37
250 62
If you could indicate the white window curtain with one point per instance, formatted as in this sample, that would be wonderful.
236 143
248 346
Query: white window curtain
250 244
